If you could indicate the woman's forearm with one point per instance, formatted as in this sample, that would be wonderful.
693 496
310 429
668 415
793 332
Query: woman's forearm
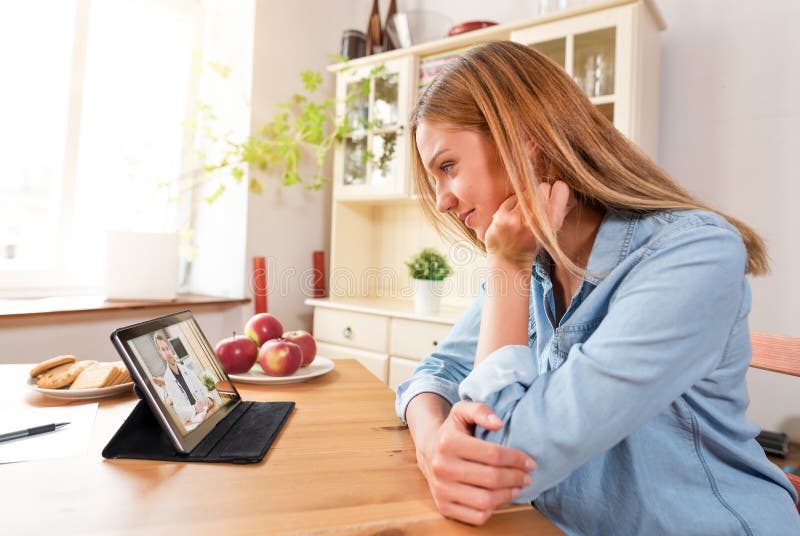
506 307
425 414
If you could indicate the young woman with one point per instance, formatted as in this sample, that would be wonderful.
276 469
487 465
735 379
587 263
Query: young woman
600 374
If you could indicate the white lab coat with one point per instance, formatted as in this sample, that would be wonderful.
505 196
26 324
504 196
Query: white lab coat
180 402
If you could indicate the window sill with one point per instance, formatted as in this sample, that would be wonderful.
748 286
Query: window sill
12 308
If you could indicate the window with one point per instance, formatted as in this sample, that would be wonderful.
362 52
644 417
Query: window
94 98
34 103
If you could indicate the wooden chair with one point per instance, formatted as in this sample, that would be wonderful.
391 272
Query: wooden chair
777 353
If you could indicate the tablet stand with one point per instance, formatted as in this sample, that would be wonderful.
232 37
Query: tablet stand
243 436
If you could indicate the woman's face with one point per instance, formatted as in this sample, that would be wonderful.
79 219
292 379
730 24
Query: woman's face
165 351
470 180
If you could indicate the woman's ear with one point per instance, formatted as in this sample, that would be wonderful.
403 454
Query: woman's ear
533 150
537 161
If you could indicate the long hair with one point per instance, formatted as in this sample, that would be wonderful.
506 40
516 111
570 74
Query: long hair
515 95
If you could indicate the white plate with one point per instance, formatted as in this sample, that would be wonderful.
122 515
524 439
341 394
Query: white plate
320 366
82 394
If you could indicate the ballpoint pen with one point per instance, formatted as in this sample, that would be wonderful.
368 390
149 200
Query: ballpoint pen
31 431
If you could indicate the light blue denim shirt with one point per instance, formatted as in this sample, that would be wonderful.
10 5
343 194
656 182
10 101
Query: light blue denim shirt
633 406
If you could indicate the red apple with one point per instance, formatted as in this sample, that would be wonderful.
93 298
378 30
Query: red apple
279 357
263 327
237 354
307 344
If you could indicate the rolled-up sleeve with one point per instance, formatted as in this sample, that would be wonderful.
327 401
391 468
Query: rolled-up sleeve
666 327
441 371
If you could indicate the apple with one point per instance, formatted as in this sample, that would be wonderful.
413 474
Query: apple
237 354
279 357
263 327
307 344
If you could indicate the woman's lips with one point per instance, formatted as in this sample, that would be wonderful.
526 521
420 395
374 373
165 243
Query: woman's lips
469 218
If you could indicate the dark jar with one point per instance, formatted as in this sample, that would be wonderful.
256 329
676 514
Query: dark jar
354 44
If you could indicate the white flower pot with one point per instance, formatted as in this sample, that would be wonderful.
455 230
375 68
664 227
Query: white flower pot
427 296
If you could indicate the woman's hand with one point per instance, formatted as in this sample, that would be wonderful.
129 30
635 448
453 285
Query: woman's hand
469 477
508 237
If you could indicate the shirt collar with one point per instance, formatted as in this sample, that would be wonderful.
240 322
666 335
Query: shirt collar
611 245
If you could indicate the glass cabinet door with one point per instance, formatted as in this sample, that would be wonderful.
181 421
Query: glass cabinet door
555 49
385 100
355 168
374 101
383 152
587 48
357 106
593 61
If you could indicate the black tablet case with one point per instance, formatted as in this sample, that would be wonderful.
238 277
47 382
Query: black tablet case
243 436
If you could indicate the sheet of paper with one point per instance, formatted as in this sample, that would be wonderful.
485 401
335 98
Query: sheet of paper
70 440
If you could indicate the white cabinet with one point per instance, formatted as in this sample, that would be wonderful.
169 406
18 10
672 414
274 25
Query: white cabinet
348 328
400 370
376 363
389 343
415 339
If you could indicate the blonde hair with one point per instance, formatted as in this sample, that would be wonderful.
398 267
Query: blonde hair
515 95
159 337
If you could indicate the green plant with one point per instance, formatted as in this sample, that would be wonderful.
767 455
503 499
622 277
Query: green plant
305 126
209 382
428 264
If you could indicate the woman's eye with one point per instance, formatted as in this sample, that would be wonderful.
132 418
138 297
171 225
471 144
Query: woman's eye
446 168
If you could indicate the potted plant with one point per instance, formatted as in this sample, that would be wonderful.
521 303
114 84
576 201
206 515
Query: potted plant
428 269
209 382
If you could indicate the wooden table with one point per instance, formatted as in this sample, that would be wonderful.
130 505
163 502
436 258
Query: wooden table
343 463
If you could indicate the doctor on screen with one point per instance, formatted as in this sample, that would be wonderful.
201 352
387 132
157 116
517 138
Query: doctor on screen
189 397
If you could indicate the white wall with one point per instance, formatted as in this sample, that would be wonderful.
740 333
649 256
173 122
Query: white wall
464 10
729 115
286 224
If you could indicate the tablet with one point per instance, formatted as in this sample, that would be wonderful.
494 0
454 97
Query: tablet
178 374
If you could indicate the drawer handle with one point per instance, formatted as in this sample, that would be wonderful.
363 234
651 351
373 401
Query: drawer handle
436 343
347 332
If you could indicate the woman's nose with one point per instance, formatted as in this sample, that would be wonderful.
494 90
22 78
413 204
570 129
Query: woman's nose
445 200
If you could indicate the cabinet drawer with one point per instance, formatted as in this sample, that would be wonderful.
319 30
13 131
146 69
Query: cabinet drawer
377 364
400 370
358 330
415 339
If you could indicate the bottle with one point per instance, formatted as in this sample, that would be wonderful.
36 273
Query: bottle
374 34
389 36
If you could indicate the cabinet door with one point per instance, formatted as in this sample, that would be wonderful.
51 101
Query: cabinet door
375 363
596 51
359 330
400 369
374 101
415 339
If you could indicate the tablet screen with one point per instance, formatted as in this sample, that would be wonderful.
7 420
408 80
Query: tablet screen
175 365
